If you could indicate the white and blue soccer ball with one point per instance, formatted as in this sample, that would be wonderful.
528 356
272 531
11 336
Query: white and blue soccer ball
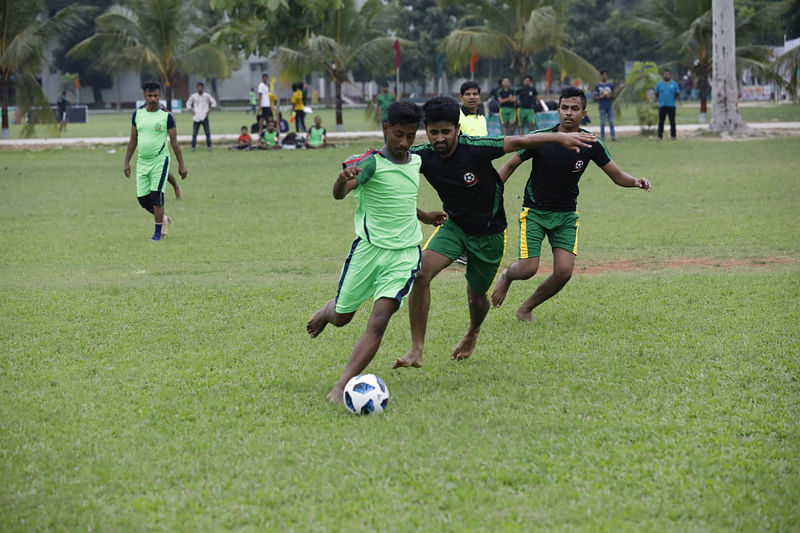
366 394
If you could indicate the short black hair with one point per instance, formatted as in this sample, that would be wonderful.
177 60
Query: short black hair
201 84
244 127
442 108
572 92
527 77
151 86
403 113
603 72
467 85
385 84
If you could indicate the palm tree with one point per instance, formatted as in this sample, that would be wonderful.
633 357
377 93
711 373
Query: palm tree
159 36
521 27
24 39
351 36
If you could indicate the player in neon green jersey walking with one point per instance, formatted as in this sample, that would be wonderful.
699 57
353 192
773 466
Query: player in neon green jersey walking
151 125
385 256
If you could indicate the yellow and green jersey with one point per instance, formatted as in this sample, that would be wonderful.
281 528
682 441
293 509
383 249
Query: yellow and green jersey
386 215
151 131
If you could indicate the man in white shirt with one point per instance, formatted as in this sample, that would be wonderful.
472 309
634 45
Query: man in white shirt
200 103
264 103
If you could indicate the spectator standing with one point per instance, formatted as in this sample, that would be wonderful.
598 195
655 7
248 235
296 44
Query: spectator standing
298 107
253 100
526 100
200 103
604 93
666 91
508 105
264 103
385 99
63 117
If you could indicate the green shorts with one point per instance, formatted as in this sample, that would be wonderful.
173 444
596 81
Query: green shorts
151 175
561 229
526 116
373 272
508 114
484 252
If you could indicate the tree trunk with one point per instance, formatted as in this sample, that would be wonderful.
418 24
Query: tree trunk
338 86
119 92
169 96
4 133
725 92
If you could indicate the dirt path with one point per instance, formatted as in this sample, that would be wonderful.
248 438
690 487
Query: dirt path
681 263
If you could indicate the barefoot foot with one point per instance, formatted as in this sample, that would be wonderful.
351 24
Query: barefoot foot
466 346
316 323
525 316
410 359
500 289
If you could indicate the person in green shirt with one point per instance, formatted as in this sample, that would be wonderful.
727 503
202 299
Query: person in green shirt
385 99
385 256
253 100
317 135
269 137
151 126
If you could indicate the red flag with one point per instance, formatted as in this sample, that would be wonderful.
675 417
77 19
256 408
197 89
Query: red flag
397 55
78 83
472 61
547 78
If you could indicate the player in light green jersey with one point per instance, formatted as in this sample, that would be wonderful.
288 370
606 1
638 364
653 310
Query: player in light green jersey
385 256
151 125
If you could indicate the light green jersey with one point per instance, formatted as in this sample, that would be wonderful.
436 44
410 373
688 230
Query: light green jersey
270 138
386 215
151 131
316 135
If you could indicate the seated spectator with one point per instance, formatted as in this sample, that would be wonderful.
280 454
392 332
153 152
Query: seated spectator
317 135
270 139
245 141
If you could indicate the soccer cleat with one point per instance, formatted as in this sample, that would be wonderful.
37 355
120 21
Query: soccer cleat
155 238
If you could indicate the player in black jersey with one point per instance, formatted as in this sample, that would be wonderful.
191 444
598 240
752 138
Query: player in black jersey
460 169
549 206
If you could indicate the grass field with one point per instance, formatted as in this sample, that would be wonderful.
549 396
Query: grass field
172 387
229 122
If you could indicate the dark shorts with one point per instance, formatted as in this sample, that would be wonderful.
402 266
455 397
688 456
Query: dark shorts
484 252
266 113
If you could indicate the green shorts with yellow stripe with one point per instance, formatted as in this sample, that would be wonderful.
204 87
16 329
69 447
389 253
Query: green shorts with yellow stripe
561 229
508 114
484 252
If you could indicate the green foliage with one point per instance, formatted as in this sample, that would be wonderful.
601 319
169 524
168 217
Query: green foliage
641 80
172 387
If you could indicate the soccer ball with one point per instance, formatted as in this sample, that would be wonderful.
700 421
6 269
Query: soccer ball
365 394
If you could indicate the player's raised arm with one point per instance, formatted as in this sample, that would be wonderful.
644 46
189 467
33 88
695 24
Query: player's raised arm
623 179
509 167
132 142
176 149
346 182
571 141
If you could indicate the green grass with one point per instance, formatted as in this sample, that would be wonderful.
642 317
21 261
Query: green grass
229 122
172 387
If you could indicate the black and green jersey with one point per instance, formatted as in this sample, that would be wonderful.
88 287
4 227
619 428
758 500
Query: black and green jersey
502 93
152 128
468 185
555 172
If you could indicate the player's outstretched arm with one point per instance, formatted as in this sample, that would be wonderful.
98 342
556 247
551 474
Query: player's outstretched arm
434 218
176 149
623 179
571 141
132 142
346 182
509 167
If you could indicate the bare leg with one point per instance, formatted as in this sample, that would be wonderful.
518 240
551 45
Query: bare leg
419 302
520 269
158 213
367 345
327 315
172 181
478 308
563 265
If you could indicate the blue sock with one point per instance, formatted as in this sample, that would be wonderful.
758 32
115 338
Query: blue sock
158 230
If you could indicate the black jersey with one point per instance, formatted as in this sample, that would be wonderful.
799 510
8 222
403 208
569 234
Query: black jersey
526 97
555 172
502 93
468 185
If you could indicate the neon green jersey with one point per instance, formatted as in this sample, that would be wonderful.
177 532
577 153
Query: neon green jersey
316 135
151 131
386 215
384 100
270 138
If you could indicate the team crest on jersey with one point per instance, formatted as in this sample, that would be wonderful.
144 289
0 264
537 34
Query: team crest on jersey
157 126
470 179
579 165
